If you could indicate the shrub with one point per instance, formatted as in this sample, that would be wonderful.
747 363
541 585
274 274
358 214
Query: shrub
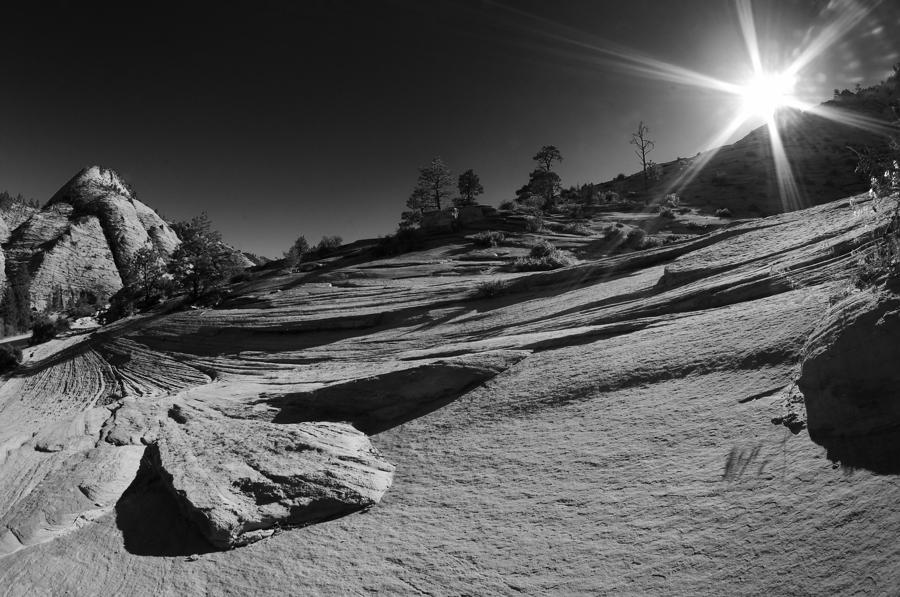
651 242
488 238
403 241
542 249
555 260
44 328
534 223
121 304
611 196
613 232
666 212
620 176
83 308
672 200
10 357
635 238
508 205
297 252
574 210
534 203
883 259
723 213
576 228
884 175
490 289
327 245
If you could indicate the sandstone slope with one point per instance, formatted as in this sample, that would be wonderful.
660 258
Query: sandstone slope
602 429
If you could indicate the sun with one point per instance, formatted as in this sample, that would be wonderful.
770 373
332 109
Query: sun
766 93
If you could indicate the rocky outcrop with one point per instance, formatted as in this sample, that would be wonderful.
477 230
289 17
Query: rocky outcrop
12 215
239 480
77 245
850 376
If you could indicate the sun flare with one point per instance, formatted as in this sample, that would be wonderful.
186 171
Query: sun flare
766 93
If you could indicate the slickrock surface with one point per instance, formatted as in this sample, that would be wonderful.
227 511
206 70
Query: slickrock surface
79 242
602 429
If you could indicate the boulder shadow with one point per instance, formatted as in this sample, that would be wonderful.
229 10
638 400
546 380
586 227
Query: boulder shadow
151 521
379 403
878 452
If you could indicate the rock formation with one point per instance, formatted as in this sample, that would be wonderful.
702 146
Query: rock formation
378 425
78 244
851 381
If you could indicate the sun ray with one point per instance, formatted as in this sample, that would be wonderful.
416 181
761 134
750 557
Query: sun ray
617 55
687 176
860 121
853 12
788 191
766 94
748 29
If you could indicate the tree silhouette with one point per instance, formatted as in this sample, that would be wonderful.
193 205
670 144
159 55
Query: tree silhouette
546 156
544 182
199 263
433 188
644 146
469 186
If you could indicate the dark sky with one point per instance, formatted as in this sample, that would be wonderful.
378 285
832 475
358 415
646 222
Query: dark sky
312 117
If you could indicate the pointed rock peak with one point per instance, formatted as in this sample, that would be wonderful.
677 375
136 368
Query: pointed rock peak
92 183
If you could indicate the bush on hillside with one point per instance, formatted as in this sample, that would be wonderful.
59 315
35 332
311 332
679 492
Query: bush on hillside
534 223
406 239
613 232
488 238
44 328
121 304
542 249
327 245
723 213
666 212
577 228
555 260
10 357
532 204
883 258
543 256
490 289
635 238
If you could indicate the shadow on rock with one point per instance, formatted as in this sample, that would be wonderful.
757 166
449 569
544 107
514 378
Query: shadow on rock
876 452
378 403
851 382
151 522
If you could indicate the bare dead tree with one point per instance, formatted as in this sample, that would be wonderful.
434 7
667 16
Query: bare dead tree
644 146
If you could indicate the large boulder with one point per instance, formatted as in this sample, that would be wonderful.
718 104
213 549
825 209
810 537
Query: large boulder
850 377
239 480
851 380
